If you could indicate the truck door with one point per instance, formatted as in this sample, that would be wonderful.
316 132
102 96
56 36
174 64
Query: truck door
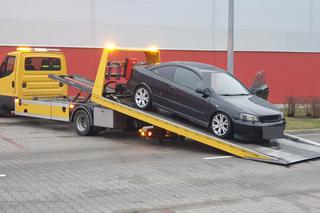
7 76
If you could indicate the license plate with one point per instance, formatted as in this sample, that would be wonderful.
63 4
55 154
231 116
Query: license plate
270 132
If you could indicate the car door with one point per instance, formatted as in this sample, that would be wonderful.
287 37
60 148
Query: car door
185 100
259 86
161 85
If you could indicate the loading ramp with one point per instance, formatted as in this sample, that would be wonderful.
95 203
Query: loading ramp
76 81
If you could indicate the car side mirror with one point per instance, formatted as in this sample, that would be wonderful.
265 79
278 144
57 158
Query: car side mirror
262 91
204 91
259 86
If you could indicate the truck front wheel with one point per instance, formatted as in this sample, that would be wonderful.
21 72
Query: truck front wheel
82 124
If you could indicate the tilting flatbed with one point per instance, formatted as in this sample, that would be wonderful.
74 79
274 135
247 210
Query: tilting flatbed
285 151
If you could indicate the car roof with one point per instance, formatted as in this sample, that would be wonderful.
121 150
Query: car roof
200 67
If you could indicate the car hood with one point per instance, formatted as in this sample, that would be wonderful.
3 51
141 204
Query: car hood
251 104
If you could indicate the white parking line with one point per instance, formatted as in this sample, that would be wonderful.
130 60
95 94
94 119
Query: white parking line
3 175
218 157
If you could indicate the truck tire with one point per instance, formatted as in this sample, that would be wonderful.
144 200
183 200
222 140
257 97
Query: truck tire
82 124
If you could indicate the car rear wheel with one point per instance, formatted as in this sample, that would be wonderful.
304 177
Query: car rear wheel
142 98
221 125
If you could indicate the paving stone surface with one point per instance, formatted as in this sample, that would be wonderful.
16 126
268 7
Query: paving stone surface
47 167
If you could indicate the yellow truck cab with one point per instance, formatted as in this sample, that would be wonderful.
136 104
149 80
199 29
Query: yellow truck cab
24 75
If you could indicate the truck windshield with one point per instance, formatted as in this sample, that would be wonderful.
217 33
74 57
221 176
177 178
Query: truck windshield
225 84
7 66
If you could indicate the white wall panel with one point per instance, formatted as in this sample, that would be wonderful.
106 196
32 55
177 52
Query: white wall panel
46 22
315 26
167 23
52 10
175 13
272 25
262 25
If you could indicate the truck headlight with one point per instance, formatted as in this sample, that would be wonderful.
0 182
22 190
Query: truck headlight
248 117
282 116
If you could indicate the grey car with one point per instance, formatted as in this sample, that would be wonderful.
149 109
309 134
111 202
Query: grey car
208 96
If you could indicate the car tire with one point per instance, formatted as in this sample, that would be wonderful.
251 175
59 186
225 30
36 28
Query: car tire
82 124
221 125
142 98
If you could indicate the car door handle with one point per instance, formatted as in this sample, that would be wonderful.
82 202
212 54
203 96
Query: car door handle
172 89
12 84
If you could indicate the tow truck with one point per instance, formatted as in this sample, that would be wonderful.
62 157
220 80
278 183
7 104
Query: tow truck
34 83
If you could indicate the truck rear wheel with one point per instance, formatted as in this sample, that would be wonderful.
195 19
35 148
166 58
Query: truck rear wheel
82 124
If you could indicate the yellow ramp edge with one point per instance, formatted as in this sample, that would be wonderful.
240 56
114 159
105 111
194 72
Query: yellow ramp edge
181 130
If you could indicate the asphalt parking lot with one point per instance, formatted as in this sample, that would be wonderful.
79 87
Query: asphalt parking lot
47 167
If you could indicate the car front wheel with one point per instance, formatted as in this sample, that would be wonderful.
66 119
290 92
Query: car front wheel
221 125
142 98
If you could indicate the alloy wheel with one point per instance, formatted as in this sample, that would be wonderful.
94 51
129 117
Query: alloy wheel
220 125
142 97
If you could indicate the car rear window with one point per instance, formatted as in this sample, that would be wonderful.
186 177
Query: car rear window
187 78
42 64
165 72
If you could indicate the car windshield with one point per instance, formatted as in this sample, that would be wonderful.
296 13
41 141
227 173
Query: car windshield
225 84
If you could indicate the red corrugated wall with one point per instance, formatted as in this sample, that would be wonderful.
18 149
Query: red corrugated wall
287 73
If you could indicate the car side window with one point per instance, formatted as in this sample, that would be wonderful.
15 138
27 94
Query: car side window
187 78
165 72
7 66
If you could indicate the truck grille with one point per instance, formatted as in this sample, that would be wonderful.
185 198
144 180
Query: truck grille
270 118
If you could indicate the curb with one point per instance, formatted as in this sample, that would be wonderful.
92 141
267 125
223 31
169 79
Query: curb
303 131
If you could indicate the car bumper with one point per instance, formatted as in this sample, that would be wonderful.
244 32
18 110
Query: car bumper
245 130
